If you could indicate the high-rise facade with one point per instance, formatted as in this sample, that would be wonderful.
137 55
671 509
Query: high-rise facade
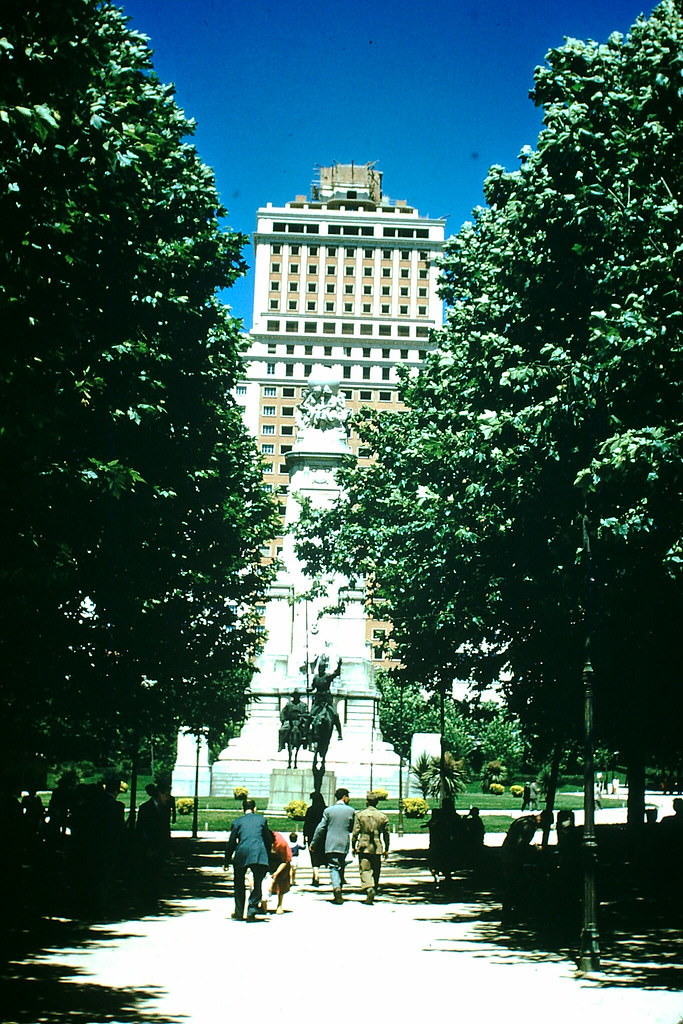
344 280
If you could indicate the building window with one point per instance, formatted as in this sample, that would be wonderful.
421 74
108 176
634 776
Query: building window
241 389
405 272
349 271
403 331
367 307
405 255
307 373
332 251
309 327
268 429
384 329
386 271
272 349
311 286
329 270
311 307
421 332
276 250
269 392
329 328
287 410
386 353
329 288
294 286
308 350
385 396
348 307
270 369
403 310
312 268
386 289
346 372
348 289
329 307
366 328
366 396
275 268
313 250
292 305
289 370
284 448
349 252
347 329
275 286
273 325
386 308
422 311
274 303
367 289
367 271
366 373
288 431
404 353
423 274
267 467
268 410
328 349
292 326
386 373
288 392
404 291
294 250
386 254
268 449
366 353
423 255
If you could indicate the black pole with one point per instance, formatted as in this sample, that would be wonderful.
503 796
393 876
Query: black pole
442 760
589 957
195 808
400 763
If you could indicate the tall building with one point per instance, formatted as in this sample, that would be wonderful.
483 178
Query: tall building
345 280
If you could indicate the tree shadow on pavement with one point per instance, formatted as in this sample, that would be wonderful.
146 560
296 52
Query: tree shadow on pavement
638 921
57 907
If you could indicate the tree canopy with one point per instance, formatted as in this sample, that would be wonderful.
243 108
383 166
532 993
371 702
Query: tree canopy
132 494
531 495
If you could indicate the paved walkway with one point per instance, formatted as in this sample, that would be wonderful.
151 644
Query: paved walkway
414 954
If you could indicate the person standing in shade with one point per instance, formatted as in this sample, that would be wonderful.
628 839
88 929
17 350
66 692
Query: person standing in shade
371 843
248 847
311 821
334 834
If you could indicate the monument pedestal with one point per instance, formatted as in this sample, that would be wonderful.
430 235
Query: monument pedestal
297 784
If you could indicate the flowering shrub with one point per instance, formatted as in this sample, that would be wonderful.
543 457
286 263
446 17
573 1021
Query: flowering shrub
496 789
415 807
516 790
240 792
184 805
378 794
296 809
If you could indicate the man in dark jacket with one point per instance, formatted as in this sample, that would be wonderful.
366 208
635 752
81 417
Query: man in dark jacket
248 847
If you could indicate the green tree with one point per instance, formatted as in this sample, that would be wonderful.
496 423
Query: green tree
530 498
134 509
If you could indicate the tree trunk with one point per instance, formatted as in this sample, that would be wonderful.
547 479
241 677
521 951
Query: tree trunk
133 787
635 768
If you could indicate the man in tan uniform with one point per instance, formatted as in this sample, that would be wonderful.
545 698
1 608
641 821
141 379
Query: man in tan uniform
370 828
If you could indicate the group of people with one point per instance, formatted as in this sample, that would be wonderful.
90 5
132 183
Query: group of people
329 832
454 840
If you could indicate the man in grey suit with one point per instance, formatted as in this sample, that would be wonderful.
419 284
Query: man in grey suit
334 830
250 841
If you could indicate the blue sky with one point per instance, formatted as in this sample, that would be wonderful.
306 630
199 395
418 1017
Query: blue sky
435 92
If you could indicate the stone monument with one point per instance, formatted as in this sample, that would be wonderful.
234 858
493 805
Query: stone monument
316 644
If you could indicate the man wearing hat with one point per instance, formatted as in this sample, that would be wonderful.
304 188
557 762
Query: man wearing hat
371 842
